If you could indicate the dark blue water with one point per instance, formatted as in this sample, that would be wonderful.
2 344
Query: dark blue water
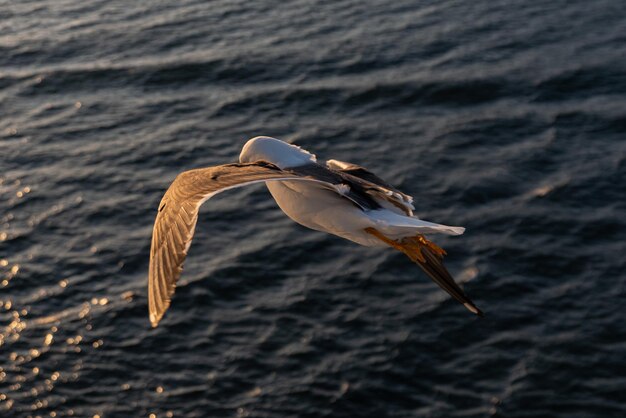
506 117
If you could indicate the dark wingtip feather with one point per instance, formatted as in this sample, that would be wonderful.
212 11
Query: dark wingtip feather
474 309
433 266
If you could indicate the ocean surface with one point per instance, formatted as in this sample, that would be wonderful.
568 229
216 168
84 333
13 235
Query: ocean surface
506 117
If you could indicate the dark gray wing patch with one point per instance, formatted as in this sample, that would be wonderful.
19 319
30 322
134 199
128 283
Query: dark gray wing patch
373 185
347 186
360 172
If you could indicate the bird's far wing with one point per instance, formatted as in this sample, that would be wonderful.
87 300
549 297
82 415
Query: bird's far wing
374 185
177 216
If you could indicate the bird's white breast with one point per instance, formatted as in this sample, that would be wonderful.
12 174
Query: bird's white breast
321 209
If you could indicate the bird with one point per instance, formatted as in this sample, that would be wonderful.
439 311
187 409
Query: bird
335 197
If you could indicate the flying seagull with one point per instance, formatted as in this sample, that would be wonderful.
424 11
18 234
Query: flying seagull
339 198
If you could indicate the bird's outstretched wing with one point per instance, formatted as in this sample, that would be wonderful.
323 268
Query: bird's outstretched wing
178 213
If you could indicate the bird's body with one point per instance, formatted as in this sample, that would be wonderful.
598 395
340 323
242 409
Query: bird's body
339 198
317 208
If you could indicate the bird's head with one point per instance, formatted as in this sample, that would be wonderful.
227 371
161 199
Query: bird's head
274 151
